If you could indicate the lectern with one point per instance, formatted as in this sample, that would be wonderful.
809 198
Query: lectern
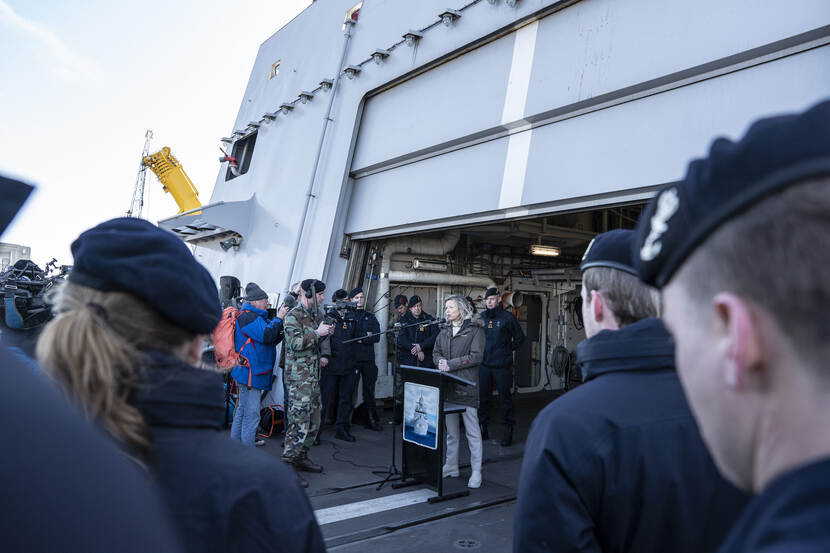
424 404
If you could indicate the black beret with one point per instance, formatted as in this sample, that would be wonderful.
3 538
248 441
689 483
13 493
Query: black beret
400 300
319 286
253 292
13 194
339 295
414 300
613 249
492 291
355 292
134 256
774 153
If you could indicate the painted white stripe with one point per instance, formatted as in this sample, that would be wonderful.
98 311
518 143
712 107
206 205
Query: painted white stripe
515 99
371 506
518 83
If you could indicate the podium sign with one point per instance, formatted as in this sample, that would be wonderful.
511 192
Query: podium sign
423 426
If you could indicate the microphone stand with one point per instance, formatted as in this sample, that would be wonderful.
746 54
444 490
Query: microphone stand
392 471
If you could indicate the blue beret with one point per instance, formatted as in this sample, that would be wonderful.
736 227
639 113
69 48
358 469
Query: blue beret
611 249
400 300
355 292
414 300
134 256
319 286
775 153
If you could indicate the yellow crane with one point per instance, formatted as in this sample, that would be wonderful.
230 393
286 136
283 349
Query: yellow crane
173 178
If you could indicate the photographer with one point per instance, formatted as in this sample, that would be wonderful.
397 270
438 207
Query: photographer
338 377
255 338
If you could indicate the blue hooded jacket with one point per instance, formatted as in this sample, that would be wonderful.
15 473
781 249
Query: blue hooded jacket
618 464
261 350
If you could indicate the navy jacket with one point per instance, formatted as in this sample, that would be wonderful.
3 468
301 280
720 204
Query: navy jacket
257 338
341 359
504 336
223 495
365 323
411 335
792 515
618 464
74 491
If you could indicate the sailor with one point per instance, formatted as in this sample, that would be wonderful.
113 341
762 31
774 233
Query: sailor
618 464
306 352
401 306
417 338
340 374
366 325
739 249
504 336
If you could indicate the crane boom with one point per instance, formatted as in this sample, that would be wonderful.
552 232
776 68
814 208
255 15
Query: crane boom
137 203
173 178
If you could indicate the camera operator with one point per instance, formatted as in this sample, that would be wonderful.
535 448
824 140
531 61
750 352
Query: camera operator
306 352
366 325
340 373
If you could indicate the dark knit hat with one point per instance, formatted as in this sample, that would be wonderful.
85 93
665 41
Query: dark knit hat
414 300
134 256
774 154
339 295
355 292
491 292
611 249
319 285
253 292
400 300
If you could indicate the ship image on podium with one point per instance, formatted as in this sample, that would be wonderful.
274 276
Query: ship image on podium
424 429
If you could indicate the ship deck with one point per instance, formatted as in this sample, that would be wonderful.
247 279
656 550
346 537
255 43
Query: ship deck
354 514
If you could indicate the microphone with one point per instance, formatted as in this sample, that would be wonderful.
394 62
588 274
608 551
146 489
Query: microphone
290 301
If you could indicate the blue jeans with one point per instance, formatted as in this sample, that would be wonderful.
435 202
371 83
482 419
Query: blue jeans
246 416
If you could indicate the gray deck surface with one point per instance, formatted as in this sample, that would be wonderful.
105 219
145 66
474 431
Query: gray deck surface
481 521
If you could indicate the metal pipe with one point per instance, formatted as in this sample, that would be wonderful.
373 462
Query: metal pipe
310 191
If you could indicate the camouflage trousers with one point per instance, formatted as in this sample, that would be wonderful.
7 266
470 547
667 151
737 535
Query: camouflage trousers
303 413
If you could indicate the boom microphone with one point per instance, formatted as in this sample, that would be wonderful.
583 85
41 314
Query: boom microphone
290 301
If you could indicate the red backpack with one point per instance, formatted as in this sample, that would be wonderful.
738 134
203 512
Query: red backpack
223 341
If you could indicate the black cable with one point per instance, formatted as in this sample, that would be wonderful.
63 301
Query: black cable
561 360
337 451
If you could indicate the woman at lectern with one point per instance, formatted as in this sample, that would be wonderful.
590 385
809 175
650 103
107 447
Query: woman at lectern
459 349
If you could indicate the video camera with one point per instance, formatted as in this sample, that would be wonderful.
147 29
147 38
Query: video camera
340 306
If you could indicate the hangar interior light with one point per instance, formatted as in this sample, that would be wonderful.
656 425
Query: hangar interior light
539 249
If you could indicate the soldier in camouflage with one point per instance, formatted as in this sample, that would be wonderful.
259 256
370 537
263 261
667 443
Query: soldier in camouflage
305 345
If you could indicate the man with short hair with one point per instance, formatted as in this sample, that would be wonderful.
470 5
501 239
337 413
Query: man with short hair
401 306
340 373
306 351
255 339
739 248
618 464
417 338
366 324
504 336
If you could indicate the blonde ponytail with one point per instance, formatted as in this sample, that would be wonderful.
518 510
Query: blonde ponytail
93 347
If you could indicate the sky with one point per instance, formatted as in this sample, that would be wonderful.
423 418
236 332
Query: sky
81 82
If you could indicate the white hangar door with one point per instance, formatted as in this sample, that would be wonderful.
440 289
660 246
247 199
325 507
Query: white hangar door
594 105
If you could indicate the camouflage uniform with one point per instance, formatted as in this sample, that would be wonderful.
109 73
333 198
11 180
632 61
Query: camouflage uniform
302 380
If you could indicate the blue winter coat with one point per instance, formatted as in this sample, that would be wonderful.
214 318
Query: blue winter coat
618 464
504 336
366 323
415 333
223 495
261 350
792 515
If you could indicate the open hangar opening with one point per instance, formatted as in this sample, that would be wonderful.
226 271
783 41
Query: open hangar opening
533 261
